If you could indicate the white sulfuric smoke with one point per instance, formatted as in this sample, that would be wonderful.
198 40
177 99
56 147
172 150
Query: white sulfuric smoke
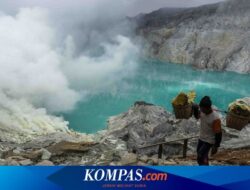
43 70
20 121
30 64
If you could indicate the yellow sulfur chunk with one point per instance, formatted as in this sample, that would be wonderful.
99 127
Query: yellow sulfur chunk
240 107
184 99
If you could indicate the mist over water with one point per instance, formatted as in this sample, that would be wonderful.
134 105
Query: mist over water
49 64
158 83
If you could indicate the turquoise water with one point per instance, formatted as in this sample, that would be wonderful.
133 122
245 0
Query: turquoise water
157 83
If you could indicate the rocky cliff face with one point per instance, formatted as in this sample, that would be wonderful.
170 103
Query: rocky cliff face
209 37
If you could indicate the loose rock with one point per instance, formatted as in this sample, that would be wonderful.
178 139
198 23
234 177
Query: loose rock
129 159
26 162
45 163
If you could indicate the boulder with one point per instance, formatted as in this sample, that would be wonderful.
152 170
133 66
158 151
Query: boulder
45 154
129 159
45 163
3 162
69 147
26 162
145 124
32 155
143 158
12 162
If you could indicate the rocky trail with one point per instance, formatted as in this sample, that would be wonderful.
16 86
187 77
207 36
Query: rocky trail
74 156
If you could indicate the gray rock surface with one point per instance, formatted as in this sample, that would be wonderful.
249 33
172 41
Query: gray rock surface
208 37
148 124
143 124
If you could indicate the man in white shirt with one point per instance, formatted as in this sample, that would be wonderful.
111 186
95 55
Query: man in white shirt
210 130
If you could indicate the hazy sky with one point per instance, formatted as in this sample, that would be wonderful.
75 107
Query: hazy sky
132 7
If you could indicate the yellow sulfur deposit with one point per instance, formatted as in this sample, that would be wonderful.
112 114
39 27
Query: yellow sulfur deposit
184 99
191 96
240 107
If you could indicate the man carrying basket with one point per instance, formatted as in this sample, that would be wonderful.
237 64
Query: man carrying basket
210 130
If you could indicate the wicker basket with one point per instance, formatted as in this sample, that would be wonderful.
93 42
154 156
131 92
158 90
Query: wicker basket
183 112
236 122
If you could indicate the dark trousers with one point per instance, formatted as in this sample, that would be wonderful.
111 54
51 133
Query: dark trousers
203 149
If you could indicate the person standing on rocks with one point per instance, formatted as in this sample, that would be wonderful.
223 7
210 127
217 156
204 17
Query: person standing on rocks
210 130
